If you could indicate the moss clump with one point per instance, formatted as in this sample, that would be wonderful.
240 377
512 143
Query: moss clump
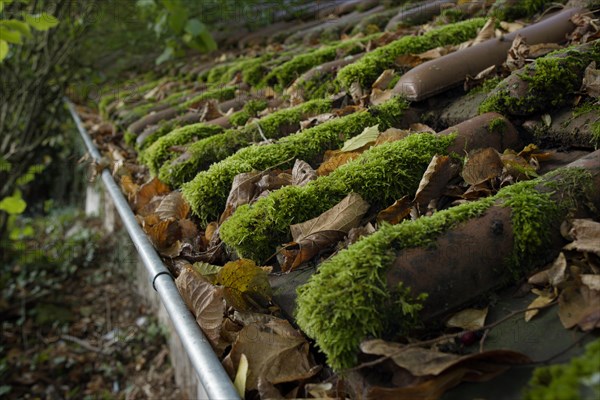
218 93
549 82
285 73
596 134
510 10
250 110
577 379
207 193
157 153
247 67
497 125
368 68
358 274
380 175
217 147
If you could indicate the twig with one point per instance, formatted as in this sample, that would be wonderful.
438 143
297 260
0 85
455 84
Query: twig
84 344
261 132
449 336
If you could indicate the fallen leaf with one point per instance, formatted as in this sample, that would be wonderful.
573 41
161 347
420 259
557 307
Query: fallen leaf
517 54
242 191
173 206
487 32
129 187
276 352
470 319
391 135
210 230
320 390
477 191
165 236
541 49
482 165
510 27
357 233
555 275
205 269
246 286
379 96
397 212
314 121
369 135
589 245
592 281
384 79
210 111
544 298
148 191
409 60
320 233
335 159
516 166
591 80
302 173
206 302
357 93
576 303
547 119
273 180
585 229
419 127
434 180
241 376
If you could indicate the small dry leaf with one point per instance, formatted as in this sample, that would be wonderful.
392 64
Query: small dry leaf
384 79
409 60
397 212
544 298
356 91
482 165
302 173
314 121
335 159
585 229
246 286
206 303
210 230
173 206
320 233
129 187
555 275
510 27
516 166
379 96
148 191
434 180
591 80
210 111
164 235
276 352
547 119
487 32
357 233
419 127
470 319
541 49
391 135
517 54
577 303
591 280
242 191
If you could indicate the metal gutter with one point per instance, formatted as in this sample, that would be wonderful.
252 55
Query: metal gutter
213 377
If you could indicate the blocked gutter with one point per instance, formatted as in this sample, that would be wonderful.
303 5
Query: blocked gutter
212 376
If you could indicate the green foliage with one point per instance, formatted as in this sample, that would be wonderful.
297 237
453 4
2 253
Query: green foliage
250 110
368 68
577 379
210 150
207 192
550 82
380 175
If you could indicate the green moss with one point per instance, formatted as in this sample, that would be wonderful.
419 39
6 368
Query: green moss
210 150
512 10
129 138
497 125
319 87
577 379
250 110
143 109
487 86
368 68
453 14
285 73
208 191
157 153
374 23
596 134
550 82
218 93
248 67
358 274
380 175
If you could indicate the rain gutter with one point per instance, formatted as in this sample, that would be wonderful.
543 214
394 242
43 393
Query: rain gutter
214 379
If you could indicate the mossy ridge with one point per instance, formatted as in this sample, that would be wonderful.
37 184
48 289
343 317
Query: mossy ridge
210 150
220 93
143 109
368 68
573 380
247 66
116 93
207 192
357 274
551 80
513 10
380 175
282 75
158 152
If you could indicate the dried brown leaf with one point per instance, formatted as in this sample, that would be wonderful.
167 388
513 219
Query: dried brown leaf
482 165
335 159
276 352
148 191
384 79
206 302
210 111
576 303
516 166
591 80
272 181
592 281
487 32
554 275
397 212
173 206
434 180
242 192
129 187
471 319
541 49
409 60
391 135
544 298
517 54
302 173
379 96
